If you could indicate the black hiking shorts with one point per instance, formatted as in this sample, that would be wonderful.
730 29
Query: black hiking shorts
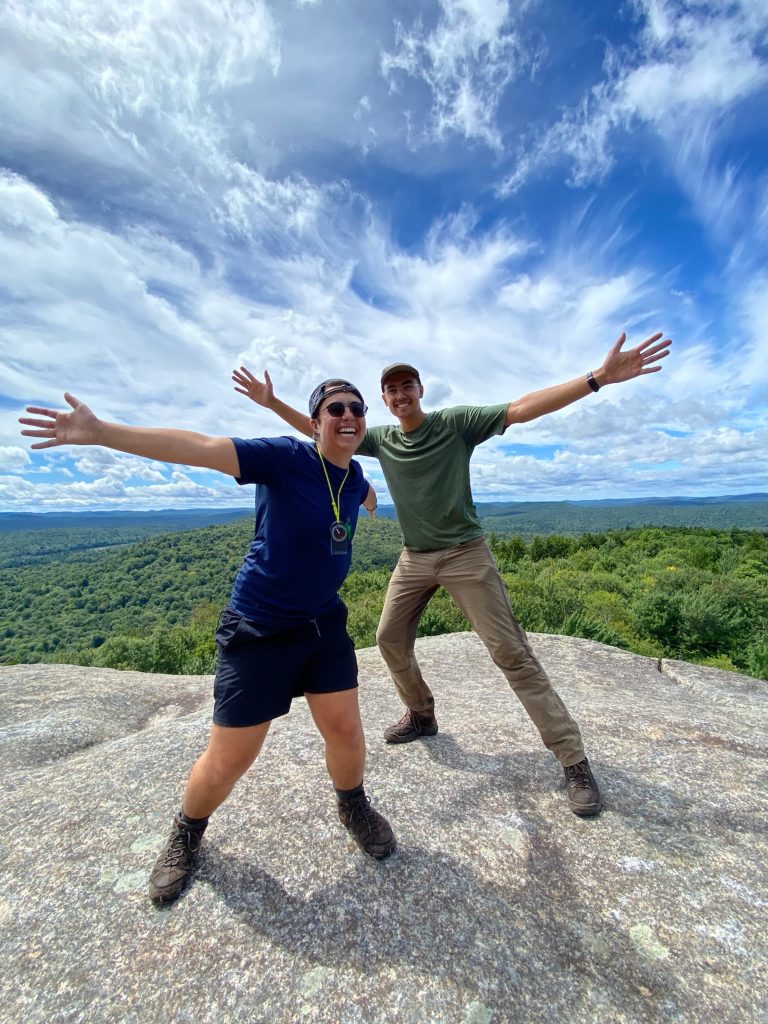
259 673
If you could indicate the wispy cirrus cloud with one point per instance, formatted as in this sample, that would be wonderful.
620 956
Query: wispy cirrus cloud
466 61
690 65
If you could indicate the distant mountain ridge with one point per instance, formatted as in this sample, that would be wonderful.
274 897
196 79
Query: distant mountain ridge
674 500
160 520
156 520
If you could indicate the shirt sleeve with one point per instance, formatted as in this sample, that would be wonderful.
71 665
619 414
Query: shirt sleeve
263 459
371 442
476 423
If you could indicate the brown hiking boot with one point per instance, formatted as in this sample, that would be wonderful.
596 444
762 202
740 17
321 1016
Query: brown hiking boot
174 865
581 788
410 727
369 829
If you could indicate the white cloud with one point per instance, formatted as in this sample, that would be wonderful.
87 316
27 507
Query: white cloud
122 470
692 64
479 327
116 72
181 491
623 464
179 207
14 458
466 60
458 268
527 295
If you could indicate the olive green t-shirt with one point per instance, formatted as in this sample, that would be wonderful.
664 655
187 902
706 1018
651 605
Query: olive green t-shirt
427 472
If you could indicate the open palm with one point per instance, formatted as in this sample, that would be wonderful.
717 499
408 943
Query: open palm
258 391
76 427
620 366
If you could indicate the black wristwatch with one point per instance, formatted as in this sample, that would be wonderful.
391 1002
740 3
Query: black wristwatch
592 382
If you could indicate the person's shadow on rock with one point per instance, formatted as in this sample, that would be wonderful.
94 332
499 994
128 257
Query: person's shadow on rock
427 909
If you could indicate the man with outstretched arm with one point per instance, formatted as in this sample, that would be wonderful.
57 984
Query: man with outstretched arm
425 461
284 633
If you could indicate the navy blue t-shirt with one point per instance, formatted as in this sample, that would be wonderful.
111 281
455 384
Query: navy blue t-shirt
290 574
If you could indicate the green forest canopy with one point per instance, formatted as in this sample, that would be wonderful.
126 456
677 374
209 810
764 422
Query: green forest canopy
70 595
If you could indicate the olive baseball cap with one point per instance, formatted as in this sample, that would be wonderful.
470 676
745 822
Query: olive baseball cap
399 368
334 386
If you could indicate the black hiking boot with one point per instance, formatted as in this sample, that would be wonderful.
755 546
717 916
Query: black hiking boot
368 828
177 858
410 727
582 791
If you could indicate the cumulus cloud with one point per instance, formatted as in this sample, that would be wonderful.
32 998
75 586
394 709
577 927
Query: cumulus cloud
626 464
462 309
13 458
178 490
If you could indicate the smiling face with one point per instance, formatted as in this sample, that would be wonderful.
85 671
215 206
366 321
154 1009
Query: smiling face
339 437
402 394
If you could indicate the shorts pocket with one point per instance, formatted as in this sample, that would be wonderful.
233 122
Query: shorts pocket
229 621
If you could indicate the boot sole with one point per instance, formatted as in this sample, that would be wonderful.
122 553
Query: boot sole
411 736
384 853
161 898
375 855
588 811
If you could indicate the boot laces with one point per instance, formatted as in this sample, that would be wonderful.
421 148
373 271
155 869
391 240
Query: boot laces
181 843
411 720
361 808
578 775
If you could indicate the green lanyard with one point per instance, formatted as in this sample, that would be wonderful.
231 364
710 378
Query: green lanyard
336 502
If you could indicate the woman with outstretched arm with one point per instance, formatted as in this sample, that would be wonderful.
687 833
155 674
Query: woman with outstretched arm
284 633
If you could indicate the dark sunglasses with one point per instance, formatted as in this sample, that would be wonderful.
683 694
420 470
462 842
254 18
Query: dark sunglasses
336 409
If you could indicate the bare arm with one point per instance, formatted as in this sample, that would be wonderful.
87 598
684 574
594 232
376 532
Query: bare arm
371 502
262 393
618 366
81 426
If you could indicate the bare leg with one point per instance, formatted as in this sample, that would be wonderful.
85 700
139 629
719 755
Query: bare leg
337 716
230 754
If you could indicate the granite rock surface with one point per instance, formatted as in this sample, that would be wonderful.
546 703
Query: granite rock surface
499 906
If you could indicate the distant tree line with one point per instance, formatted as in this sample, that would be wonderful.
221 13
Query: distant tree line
696 594
85 592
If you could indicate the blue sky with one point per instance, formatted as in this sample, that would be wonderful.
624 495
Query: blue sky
493 191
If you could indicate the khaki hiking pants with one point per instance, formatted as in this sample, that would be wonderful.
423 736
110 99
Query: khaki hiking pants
469 574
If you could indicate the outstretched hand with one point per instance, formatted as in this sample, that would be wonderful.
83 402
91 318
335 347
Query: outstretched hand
620 366
258 391
76 427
